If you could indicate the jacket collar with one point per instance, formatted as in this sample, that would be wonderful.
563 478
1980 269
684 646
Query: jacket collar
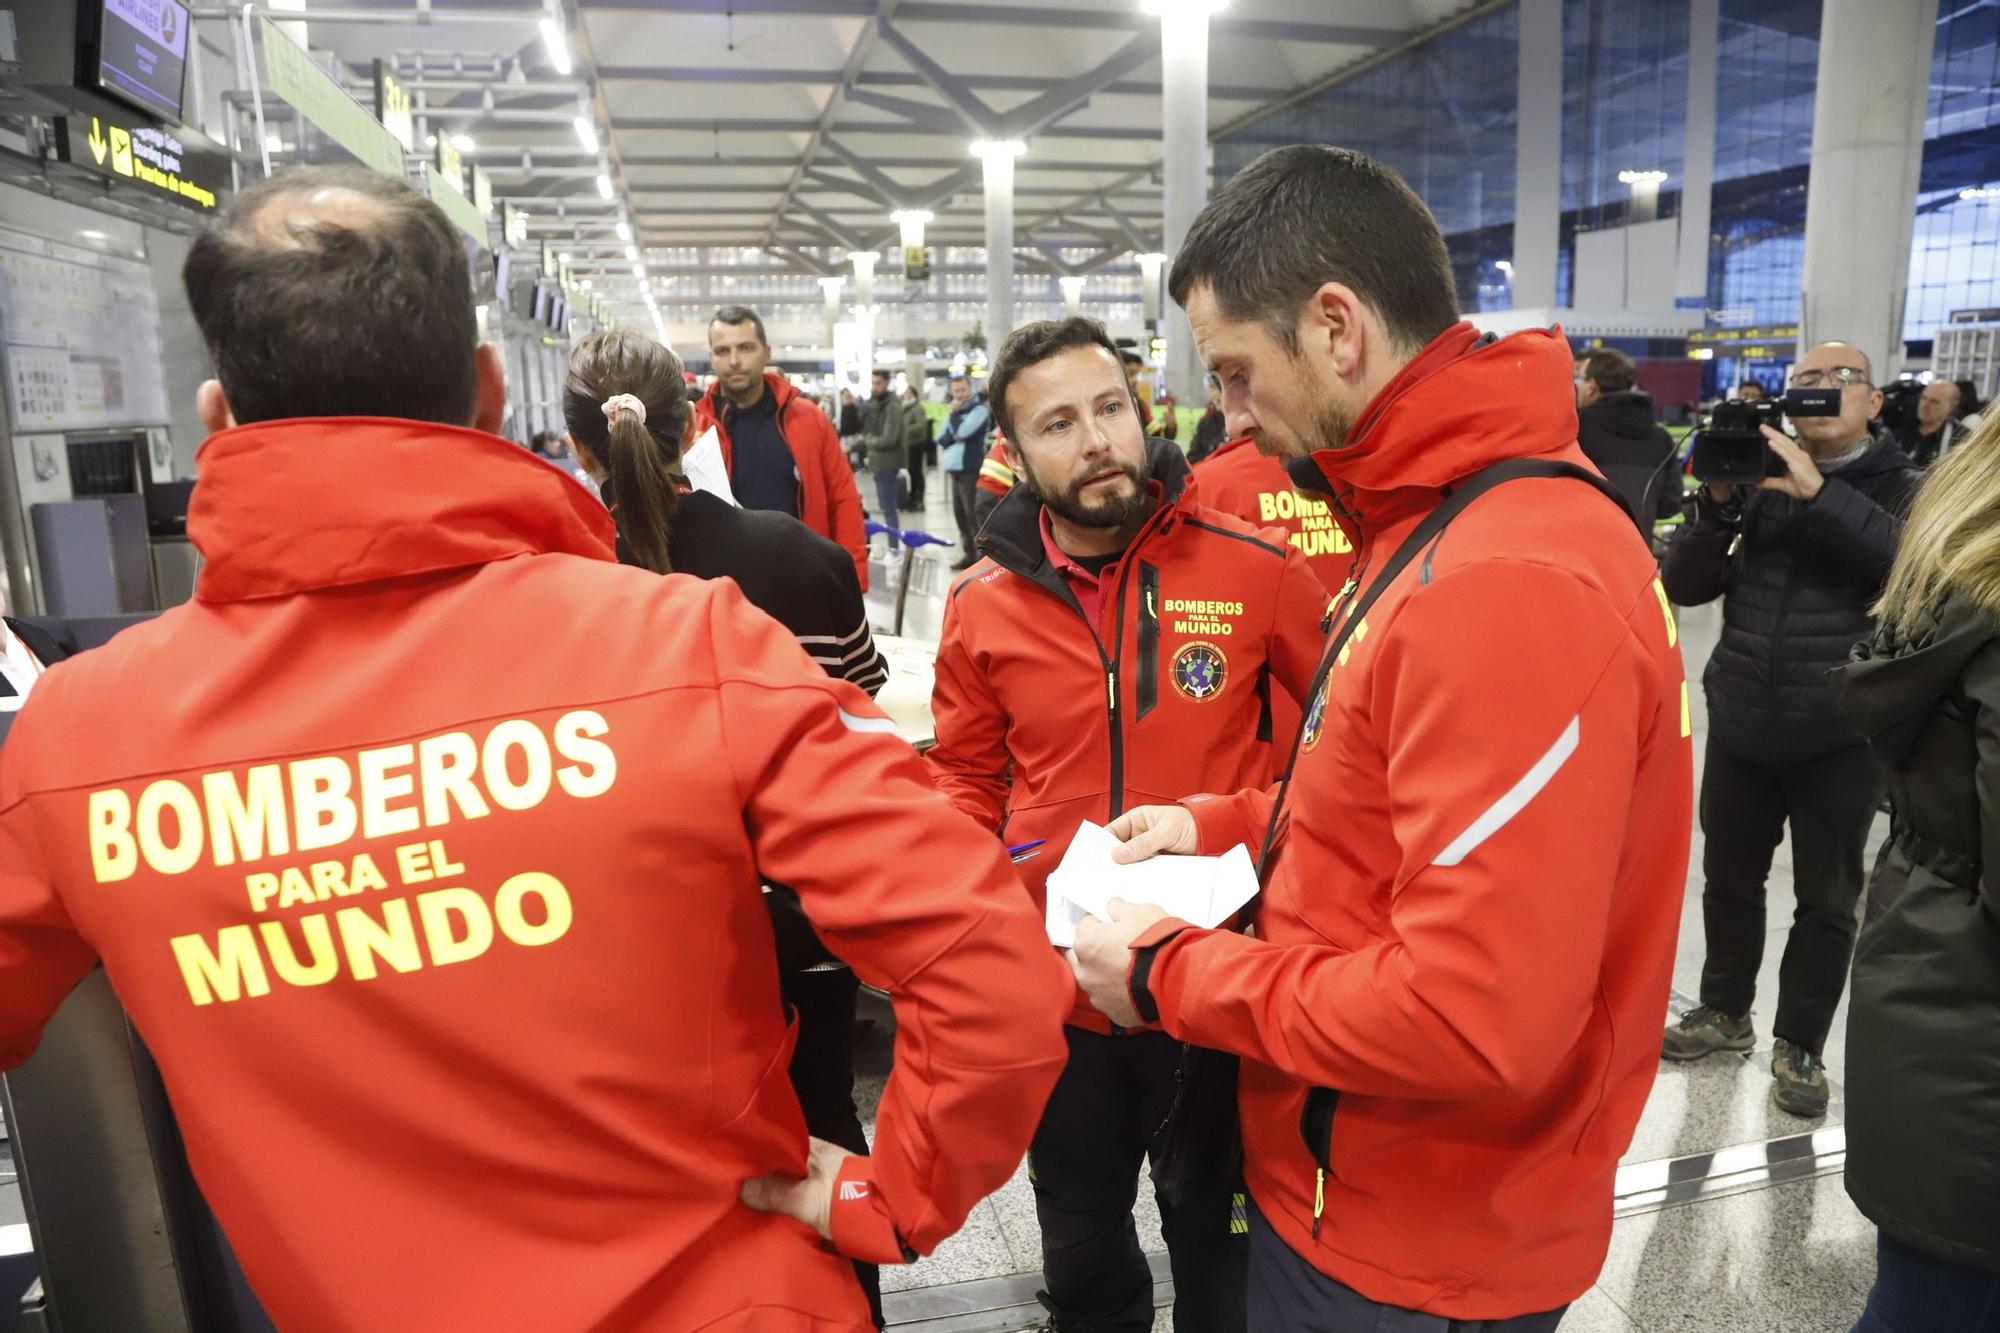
1013 535
1464 402
290 506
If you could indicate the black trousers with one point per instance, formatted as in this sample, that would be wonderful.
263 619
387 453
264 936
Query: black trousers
822 1073
916 454
1829 803
1094 1137
964 486
1289 1295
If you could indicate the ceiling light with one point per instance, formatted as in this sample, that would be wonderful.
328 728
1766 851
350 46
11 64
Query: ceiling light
632 253
1642 177
603 186
913 215
1975 192
557 42
564 256
1504 265
1203 8
624 230
586 133
462 142
586 284
94 235
998 148
639 272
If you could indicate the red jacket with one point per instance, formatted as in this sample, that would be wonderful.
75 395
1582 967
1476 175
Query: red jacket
1454 1000
1256 488
829 504
440 830
1044 720
996 474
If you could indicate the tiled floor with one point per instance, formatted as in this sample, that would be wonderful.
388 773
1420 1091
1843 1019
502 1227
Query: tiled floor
1791 1257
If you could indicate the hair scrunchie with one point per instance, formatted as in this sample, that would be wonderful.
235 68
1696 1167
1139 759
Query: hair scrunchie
624 402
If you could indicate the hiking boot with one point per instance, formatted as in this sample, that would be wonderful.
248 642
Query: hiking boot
1799 1085
1704 1031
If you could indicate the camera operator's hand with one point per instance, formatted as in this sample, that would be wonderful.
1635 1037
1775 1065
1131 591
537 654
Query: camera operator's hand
1803 480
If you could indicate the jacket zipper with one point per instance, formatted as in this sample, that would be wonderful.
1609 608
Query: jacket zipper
1316 1129
1149 638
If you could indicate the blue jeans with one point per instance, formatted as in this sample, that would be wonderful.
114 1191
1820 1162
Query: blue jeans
885 499
1288 1295
1919 1293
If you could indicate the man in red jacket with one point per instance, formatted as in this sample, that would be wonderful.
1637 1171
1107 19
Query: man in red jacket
1118 644
439 827
1449 1015
782 452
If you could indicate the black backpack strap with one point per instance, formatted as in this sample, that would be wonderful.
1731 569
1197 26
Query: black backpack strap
1355 609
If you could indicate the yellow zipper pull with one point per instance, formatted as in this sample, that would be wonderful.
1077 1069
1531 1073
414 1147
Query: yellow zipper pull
1319 1201
1111 689
1149 605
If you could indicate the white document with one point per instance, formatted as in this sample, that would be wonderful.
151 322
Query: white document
705 468
1204 890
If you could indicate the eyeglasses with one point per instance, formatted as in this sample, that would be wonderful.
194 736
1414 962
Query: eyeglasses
1840 375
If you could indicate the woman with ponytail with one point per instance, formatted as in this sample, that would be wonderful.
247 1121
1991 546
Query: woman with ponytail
1923 1043
630 420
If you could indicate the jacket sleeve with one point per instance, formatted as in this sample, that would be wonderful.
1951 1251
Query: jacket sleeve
1499 855
1696 567
843 501
1297 636
837 636
970 762
922 904
1849 519
41 954
1982 685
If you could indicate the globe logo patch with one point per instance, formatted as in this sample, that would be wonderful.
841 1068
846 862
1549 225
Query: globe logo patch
1200 671
1315 719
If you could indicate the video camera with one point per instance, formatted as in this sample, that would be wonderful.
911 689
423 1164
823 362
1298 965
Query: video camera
1730 447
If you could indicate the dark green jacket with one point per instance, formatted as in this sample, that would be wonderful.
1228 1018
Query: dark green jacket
884 433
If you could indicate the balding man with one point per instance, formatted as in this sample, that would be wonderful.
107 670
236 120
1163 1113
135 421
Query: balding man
1798 561
427 826
1936 428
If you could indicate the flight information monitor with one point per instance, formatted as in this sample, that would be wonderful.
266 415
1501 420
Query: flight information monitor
142 53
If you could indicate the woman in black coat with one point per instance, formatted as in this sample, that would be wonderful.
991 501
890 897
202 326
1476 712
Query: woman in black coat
1923 1044
629 417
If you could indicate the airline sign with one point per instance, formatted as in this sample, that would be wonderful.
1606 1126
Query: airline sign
173 163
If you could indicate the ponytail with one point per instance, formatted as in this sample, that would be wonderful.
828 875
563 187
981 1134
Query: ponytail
643 486
626 401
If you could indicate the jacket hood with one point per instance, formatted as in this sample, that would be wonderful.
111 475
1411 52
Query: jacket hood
1013 534
1464 402
782 392
1627 414
1895 683
325 502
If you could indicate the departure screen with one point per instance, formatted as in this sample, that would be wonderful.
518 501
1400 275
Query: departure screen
142 53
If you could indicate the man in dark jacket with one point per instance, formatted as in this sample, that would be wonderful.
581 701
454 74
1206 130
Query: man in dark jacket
1616 431
1797 562
884 433
1937 427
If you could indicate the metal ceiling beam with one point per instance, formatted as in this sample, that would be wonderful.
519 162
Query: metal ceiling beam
863 189
897 78
919 116
978 117
857 56
990 12
1030 117
1145 243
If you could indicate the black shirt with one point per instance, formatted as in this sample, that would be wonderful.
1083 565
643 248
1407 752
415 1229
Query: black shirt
762 471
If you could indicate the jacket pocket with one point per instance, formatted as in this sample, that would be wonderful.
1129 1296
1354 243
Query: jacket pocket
1316 1131
1149 638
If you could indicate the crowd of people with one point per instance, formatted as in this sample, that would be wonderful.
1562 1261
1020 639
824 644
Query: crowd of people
385 880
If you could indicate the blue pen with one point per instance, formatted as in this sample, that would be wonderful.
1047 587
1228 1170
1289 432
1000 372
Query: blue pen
1026 847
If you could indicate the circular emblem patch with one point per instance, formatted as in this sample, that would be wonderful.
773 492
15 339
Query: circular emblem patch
1315 719
1200 671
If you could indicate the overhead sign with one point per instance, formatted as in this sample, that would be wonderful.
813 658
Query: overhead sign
175 164
549 268
482 191
295 80
457 207
393 107
450 162
513 225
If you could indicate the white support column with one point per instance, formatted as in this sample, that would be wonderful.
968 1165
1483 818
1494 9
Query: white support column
998 156
1072 290
1184 159
1151 267
916 336
1698 162
831 287
1861 199
1538 155
864 303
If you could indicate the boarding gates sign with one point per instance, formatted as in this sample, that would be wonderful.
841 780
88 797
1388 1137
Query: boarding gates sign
159 161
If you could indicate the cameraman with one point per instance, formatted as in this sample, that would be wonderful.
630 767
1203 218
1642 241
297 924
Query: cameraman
1798 561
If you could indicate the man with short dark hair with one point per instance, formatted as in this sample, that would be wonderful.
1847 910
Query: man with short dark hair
1936 428
1119 643
1617 433
780 454
1798 562
884 434
1467 927
427 824
1750 391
